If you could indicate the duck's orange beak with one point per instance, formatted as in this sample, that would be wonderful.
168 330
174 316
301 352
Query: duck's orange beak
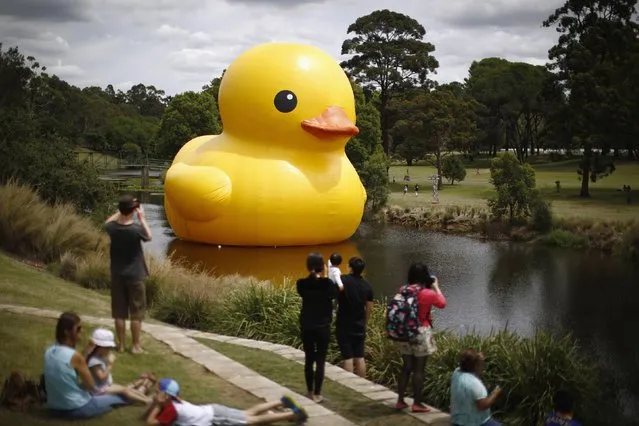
332 122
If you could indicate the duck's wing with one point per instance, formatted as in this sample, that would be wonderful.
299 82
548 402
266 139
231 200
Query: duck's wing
190 147
197 193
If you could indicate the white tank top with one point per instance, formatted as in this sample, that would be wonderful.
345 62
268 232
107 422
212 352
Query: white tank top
193 415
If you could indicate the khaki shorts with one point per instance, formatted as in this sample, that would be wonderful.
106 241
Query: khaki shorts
128 298
424 344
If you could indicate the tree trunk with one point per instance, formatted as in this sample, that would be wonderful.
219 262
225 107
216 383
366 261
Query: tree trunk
409 162
585 173
438 164
383 112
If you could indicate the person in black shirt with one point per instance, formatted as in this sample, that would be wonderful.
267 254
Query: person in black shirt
355 304
128 269
317 292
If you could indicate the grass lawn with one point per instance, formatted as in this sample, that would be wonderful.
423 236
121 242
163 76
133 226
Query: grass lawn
21 285
24 339
606 201
289 374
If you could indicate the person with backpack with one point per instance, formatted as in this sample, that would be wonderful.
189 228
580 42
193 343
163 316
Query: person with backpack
409 323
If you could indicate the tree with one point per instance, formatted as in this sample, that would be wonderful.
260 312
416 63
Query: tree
438 122
389 54
592 55
515 186
453 169
366 154
188 115
513 96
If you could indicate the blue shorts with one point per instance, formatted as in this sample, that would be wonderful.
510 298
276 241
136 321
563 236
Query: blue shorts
97 405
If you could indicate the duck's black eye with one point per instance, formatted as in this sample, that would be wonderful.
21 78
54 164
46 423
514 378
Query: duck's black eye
285 101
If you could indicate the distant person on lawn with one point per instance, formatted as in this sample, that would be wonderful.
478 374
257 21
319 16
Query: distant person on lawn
67 397
355 304
128 269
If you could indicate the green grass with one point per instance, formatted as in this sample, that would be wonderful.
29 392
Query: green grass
21 285
289 374
25 339
606 200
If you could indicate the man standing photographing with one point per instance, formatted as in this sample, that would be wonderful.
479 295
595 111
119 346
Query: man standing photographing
128 269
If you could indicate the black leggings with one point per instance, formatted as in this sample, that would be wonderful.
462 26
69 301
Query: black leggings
416 366
315 344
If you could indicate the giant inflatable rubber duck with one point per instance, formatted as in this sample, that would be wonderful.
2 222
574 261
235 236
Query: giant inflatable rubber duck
278 174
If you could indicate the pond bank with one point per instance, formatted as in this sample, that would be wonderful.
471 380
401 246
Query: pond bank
617 238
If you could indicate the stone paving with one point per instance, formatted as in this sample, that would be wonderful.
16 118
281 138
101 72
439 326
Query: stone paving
362 386
181 341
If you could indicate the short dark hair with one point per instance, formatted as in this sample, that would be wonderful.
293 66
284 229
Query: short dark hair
336 259
357 265
315 263
418 274
563 401
470 360
66 322
127 204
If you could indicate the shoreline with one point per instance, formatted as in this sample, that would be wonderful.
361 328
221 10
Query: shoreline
613 238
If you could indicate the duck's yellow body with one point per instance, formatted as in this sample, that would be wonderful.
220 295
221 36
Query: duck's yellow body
278 174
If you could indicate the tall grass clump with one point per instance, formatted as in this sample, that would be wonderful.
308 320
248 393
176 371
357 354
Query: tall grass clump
32 229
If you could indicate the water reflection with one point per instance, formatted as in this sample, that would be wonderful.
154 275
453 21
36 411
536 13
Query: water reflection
262 262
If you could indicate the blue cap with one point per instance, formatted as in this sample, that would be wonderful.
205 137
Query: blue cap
170 387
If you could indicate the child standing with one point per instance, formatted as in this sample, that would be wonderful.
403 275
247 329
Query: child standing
100 360
169 409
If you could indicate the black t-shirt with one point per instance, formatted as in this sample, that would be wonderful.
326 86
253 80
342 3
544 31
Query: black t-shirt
351 311
317 297
127 257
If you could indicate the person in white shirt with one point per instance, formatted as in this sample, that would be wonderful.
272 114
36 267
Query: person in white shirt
168 409
334 273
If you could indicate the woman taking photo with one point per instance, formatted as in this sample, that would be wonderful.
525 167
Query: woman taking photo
317 294
415 354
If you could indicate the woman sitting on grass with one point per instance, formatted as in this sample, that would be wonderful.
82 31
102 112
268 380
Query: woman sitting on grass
67 398
100 360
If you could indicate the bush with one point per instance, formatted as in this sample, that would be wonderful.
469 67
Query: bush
32 229
565 239
541 218
453 169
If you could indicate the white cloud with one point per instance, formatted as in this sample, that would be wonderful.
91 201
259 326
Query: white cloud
66 71
180 45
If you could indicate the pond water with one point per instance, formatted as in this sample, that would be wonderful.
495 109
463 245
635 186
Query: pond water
488 285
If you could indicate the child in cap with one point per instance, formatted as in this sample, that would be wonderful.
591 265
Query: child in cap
563 406
334 273
100 360
169 409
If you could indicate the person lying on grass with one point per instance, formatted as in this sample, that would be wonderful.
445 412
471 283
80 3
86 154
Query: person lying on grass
169 409
100 360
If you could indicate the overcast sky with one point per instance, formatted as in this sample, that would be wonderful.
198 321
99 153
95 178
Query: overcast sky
179 45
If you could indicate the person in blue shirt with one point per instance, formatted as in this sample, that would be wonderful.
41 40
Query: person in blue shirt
563 404
469 400
68 397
